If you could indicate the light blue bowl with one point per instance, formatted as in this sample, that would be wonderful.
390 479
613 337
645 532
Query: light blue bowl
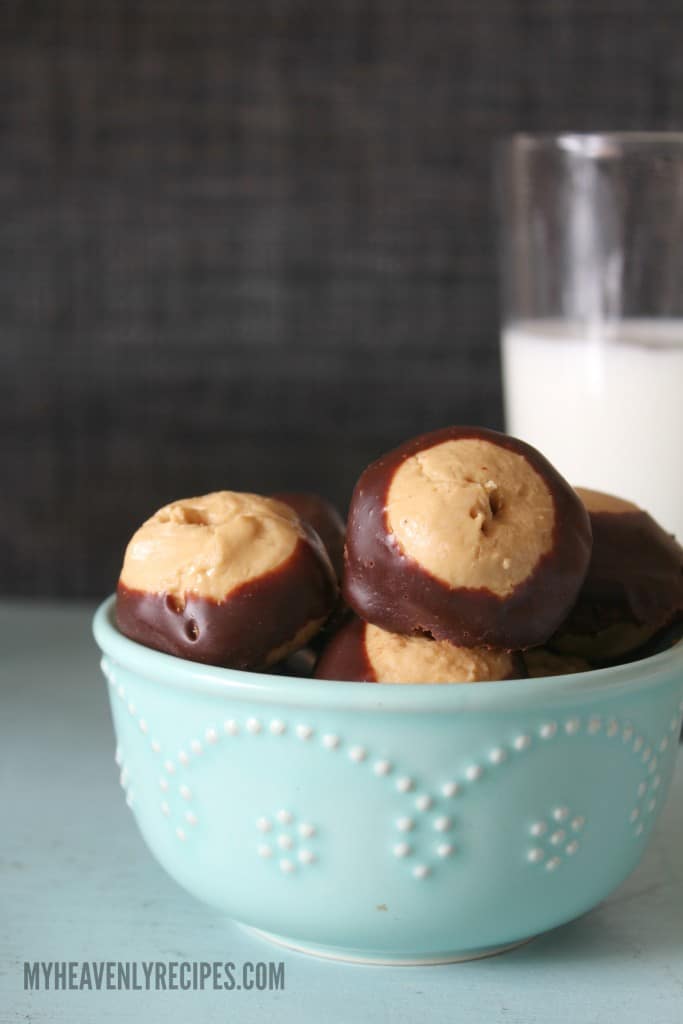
393 824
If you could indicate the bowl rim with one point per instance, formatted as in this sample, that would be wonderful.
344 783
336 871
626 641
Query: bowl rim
542 692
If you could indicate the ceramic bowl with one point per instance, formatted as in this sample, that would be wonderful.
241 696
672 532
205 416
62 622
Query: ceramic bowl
406 824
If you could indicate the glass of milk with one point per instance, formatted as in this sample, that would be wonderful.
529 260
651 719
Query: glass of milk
592 343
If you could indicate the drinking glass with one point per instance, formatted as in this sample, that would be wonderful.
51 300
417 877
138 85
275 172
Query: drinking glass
592 287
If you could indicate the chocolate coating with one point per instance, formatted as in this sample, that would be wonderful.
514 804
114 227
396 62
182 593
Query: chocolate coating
361 652
388 588
325 520
634 584
258 623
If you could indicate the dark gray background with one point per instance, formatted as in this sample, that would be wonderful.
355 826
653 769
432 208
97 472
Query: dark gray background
250 245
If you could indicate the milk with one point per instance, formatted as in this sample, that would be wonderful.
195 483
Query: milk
605 405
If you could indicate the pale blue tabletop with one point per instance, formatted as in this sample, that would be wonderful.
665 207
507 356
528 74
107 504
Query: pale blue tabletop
77 884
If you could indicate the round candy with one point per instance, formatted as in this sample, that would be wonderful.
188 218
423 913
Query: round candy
634 584
469 536
227 579
539 661
361 652
325 520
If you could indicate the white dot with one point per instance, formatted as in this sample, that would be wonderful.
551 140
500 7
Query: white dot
230 727
169 766
572 726
553 863
655 782
263 825
144 728
306 830
442 824
211 735
253 726
420 871
183 758
381 767
277 727
358 754
548 730
474 772
637 743
522 741
284 817
450 789
641 789
639 829
572 847
497 755
185 792
405 824
651 804
404 784
612 727
163 783
118 757
663 744
652 767
190 818
402 849
535 854
445 849
304 732
156 746
306 856
287 865
578 822
285 842
265 850
121 692
557 837
132 708
180 832
594 724
165 809
196 746
423 802
627 733
561 813
331 741
538 828
634 815
646 754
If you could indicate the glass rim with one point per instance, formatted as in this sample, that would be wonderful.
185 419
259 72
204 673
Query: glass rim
594 144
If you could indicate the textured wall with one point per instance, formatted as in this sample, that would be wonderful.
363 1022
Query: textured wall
251 245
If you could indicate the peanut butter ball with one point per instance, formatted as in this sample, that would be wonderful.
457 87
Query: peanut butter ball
634 584
228 579
466 535
361 652
325 520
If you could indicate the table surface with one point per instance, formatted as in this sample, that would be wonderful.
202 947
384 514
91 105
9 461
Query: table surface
78 884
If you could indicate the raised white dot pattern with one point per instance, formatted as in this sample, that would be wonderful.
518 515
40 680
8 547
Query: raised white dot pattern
497 755
547 730
522 742
358 754
423 802
442 823
546 831
572 726
382 767
211 735
303 731
405 824
445 849
196 747
402 849
404 784
254 726
230 727
474 772
277 727
331 741
421 871
284 816
450 789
